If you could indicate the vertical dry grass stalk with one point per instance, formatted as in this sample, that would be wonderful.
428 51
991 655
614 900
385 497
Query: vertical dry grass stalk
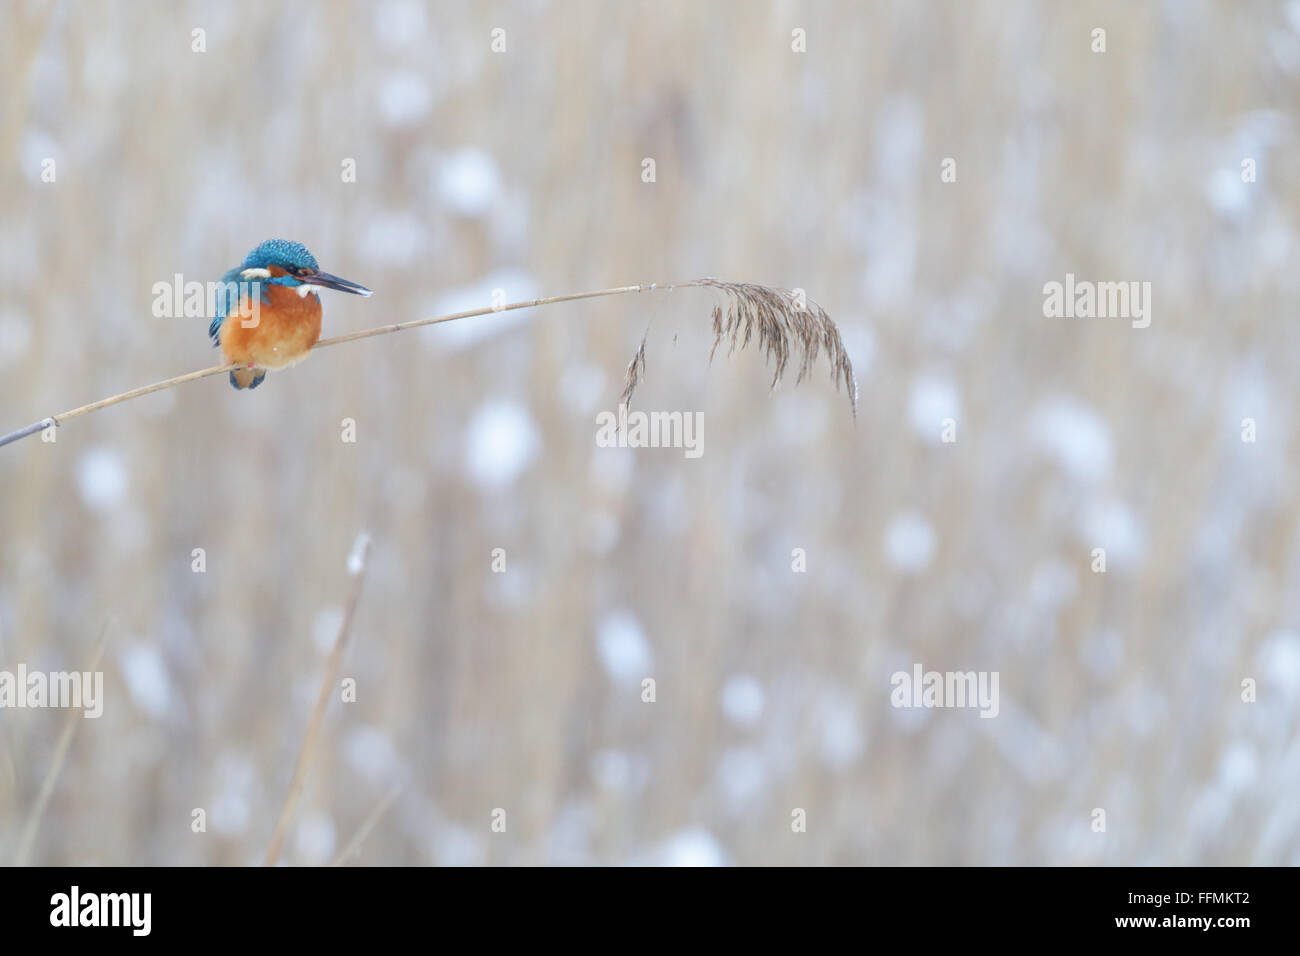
357 568
785 324
375 815
70 725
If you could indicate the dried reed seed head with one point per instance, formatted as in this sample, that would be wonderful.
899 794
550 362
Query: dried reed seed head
635 372
784 323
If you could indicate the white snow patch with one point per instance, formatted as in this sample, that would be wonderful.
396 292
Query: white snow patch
1227 194
36 149
325 628
102 478
146 679
1238 768
909 542
623 649
840 727
404 98
231 808
501 443
1076 436
693 847
1278 659
468 182
933 399
370 752
1113 526
315 838
457 846
742 700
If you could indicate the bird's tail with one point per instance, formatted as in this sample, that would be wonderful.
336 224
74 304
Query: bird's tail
247 377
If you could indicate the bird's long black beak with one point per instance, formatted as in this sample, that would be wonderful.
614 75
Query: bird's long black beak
325 280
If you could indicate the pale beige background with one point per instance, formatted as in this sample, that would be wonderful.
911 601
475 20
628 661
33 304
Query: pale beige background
522 171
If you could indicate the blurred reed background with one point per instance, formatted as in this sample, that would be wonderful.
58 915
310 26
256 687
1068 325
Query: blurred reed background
522 171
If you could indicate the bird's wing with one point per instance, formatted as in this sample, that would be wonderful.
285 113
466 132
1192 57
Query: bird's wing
227 301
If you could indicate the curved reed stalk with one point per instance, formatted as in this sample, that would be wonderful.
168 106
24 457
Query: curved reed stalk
783 321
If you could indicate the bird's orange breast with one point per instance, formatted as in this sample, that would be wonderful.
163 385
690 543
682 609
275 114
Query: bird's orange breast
281 332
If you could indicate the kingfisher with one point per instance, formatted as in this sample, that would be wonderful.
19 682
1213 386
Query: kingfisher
267 313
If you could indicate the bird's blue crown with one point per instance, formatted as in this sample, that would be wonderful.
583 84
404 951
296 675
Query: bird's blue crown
283 253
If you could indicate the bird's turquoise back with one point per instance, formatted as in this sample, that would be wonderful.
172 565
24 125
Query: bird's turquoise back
227 302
